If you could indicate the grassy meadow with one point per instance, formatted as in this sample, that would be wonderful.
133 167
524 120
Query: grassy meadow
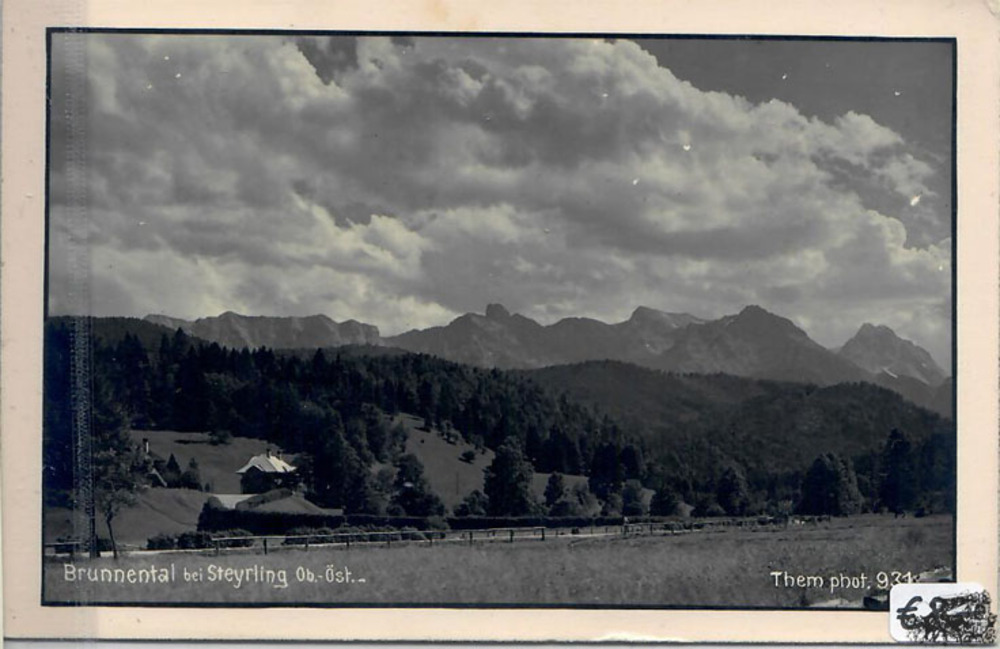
730 567
217 464
168 511
451 478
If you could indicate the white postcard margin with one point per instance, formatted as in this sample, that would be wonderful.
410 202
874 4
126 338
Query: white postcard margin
972 22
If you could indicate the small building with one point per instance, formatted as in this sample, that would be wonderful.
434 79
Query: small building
284 501
266 472
154 463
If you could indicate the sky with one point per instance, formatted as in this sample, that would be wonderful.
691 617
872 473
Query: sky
403 181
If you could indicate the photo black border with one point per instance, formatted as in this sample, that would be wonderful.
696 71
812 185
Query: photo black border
637 37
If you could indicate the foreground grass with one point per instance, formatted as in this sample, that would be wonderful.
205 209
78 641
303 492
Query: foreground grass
730 568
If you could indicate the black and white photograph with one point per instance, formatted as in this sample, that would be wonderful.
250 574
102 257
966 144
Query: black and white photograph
488 320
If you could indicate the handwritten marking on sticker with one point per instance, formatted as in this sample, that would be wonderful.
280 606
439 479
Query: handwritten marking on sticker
941 613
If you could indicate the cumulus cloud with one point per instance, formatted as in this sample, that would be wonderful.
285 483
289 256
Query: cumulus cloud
405 181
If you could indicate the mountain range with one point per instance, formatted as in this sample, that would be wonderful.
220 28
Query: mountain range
753 343
235 330
499 339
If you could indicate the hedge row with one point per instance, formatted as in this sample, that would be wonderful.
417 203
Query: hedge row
214 519
304 535
199 540
487 522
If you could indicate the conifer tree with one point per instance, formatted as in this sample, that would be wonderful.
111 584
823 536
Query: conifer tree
899 480
508 482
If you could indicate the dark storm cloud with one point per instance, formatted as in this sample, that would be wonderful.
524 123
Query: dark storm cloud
329 56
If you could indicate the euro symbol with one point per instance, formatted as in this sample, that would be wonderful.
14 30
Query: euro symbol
905 615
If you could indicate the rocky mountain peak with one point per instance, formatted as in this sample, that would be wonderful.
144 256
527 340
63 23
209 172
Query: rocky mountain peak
757 321
643 312
645 315
878 349
869 330
754 311
497 312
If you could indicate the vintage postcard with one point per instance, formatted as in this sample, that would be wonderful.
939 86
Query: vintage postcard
472 323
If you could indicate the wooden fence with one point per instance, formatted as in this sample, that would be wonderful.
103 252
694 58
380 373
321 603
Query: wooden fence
269 543
378 539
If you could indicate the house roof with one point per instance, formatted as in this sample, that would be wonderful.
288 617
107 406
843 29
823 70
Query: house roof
229 501
155 477
280 500
267 464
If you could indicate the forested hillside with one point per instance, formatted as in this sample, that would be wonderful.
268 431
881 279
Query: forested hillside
721 443
332 409
695 425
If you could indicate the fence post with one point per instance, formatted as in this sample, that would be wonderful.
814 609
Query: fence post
348 541
470 537
543 533
265 545
512 535
215 542
307 543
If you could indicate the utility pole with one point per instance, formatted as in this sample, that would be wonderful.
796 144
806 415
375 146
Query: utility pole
83 433
76 154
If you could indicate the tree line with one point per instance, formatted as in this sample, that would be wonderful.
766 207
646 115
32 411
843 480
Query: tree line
335 409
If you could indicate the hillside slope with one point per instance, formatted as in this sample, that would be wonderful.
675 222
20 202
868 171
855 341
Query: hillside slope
451 478
216 464
771 427
166 511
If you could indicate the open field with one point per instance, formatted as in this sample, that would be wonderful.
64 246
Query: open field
453 479
167 511
450 478
216 464
172 511
730 567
